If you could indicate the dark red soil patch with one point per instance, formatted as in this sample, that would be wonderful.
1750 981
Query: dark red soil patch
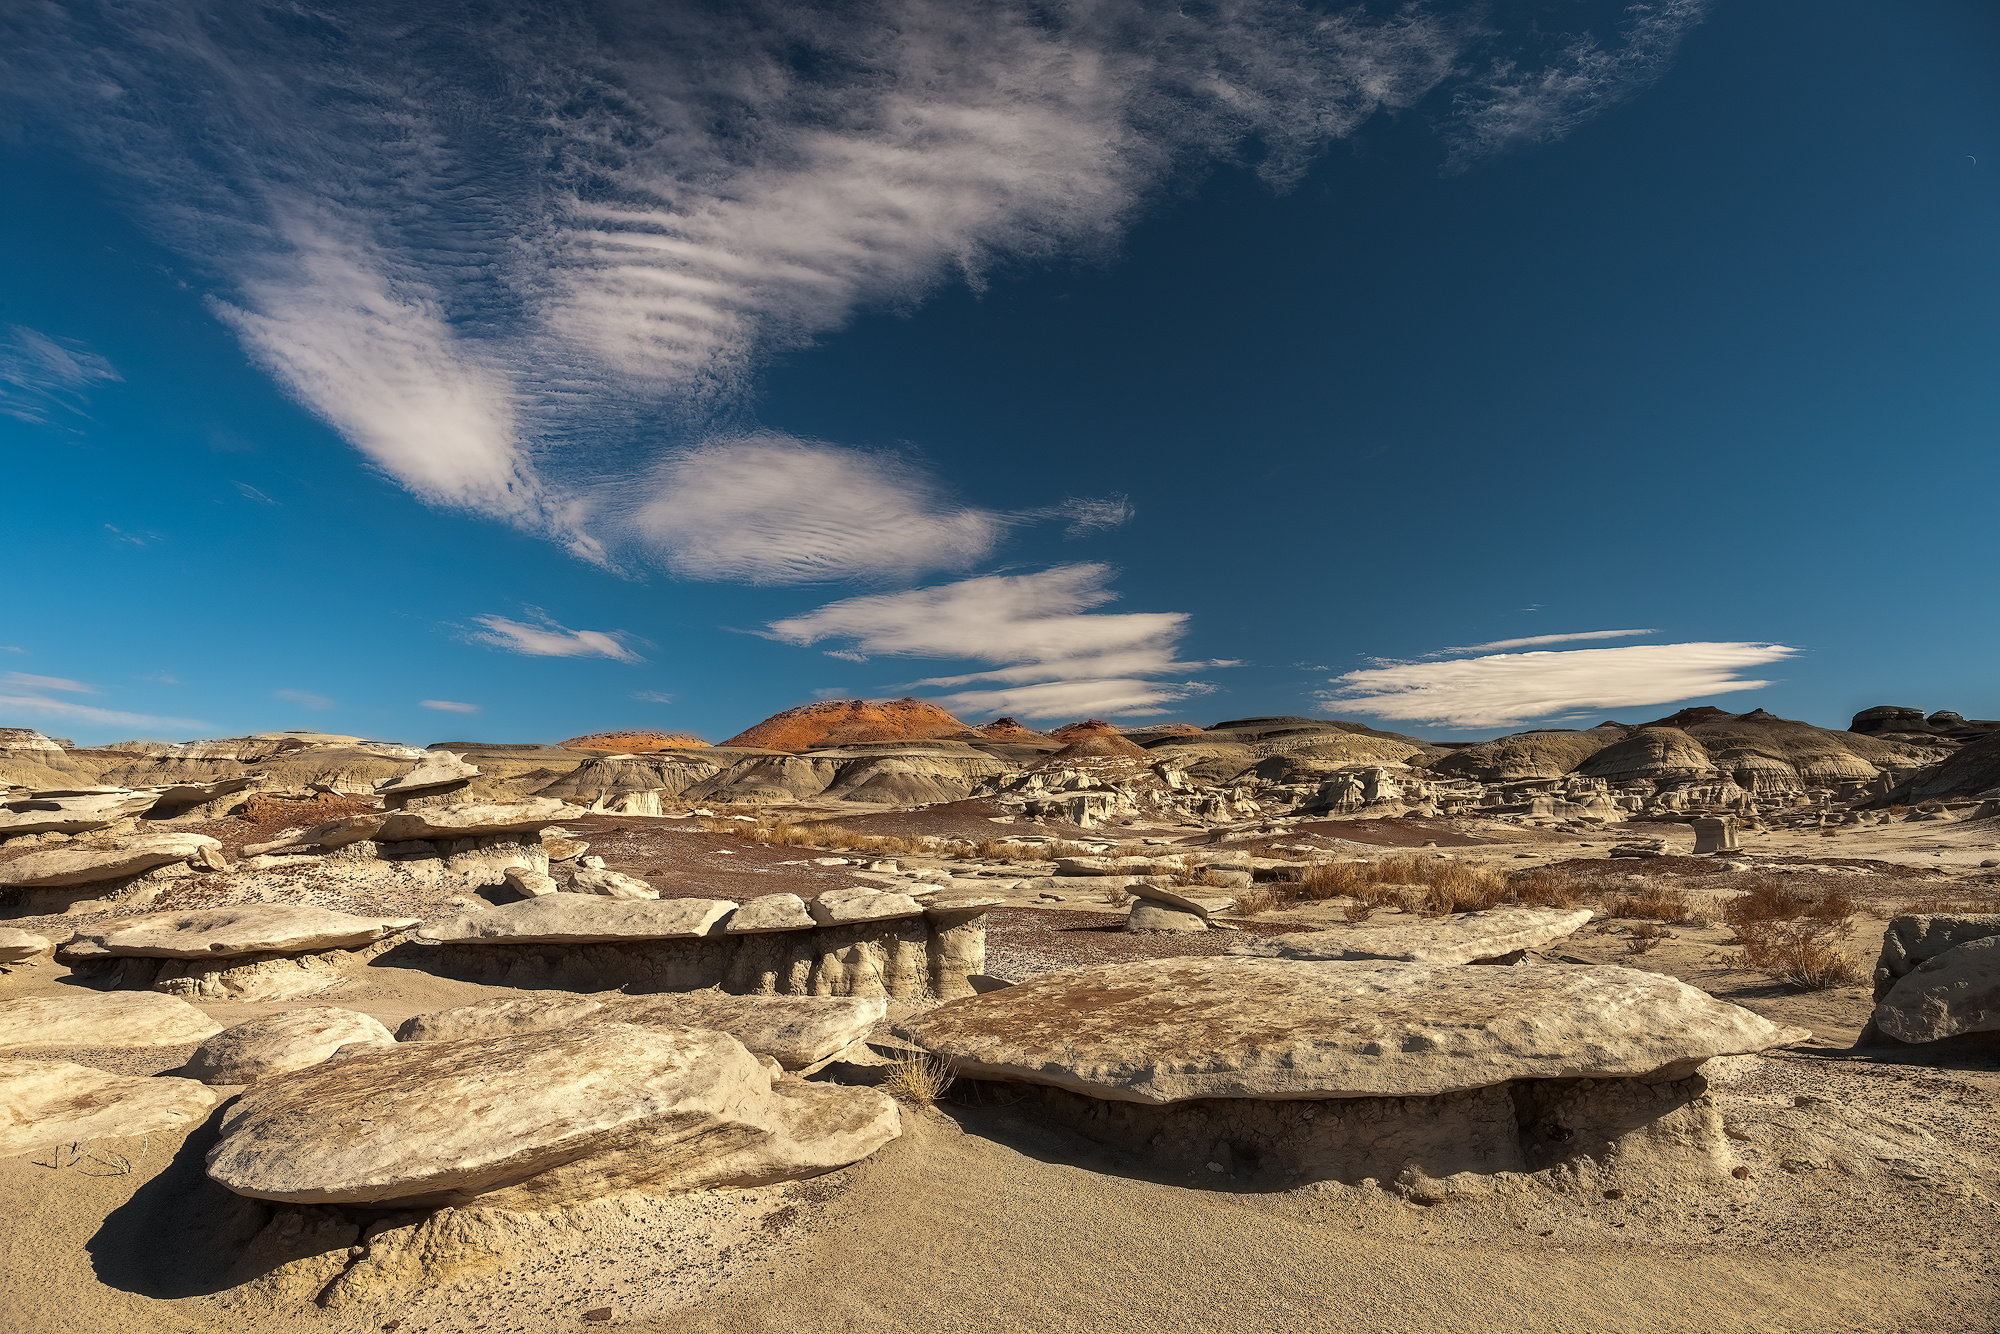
961 819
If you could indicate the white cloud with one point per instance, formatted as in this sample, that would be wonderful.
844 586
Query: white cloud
63 709
305 699
1048 644
448 706
39 374
250 492
504 310
28 681
652 697
1516 104
549 640
1504 689
772 509
1534 640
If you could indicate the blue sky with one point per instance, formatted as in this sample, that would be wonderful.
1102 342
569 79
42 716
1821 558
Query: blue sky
579 371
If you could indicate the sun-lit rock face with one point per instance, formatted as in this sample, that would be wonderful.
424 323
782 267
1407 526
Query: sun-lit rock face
847 722
1006 729
639 742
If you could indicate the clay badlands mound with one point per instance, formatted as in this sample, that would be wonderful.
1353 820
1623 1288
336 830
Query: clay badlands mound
867 1019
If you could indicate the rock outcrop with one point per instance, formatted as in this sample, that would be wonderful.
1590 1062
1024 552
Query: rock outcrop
117 1019
44 1104
69 868
1465 938
281 1042
541 1119
845 722
220 933
638 742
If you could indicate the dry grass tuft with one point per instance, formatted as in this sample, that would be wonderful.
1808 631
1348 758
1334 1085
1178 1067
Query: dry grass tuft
919 1079
1775 898
1329 880
1646 938
1545 887
1257 899
1654 903
1804 952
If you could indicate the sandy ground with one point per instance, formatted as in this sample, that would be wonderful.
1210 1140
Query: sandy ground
1869 1204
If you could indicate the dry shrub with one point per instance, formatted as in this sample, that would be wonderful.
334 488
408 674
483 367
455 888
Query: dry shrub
1358 911
1654 903
1938 903
1545 887
1452 887
1397 871
1830 831
1774 898
1329 880
1646 938
1256 899
1117 896
1060 849
1803 951
918 1078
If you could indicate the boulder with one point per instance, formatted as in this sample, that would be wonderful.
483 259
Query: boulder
769 912
1187 899
222 933
21 946
281 1042
1446 940
575 919
794 1031
436 769
862 903
610 884
529 884
62 868
447 822
1155 915
1164 1030
71 812
1955 992
44 1104
539 1120
109 1019
1912 939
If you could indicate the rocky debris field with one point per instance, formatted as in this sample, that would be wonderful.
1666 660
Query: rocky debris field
1689 1025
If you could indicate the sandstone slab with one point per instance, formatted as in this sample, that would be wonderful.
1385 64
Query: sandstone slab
794 1031
1188 899
221 933
610 884
1955 992
577 919
537 1120
526 817
1166 1030
529 884
1910 940
844 907
770 912
62 868
49 1103
21 946
281 1042
502 1017
109 1019
1154 915
436 769
1446 940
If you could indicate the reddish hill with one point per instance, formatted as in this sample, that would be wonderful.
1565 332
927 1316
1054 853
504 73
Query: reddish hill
847 722
634 743
1006 729
1088 727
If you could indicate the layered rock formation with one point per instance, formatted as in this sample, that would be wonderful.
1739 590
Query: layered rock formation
846 722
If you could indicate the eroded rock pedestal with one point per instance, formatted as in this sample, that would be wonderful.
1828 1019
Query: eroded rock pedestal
1286 1072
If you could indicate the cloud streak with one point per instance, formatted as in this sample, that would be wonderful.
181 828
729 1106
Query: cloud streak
29 681
549 640
1502 690
40 375
42 706
1533 641
1052 652
448 706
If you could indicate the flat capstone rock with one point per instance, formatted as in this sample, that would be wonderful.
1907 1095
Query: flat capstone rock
1167 1030
581 919
222 933
68 867
101 1019
44 1104
1444 940
770 912
281 1042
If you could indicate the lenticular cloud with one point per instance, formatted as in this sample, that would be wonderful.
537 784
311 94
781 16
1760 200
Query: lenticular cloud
515 255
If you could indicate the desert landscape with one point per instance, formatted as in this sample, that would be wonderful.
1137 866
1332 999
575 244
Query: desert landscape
866 1018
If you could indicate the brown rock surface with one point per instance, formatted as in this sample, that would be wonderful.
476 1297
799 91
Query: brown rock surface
638 742
847 722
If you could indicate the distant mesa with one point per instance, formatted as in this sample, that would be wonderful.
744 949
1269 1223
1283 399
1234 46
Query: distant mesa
634 743
852 722
1088 727
1006 729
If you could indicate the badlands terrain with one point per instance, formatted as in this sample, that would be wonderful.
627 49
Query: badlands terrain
869 1019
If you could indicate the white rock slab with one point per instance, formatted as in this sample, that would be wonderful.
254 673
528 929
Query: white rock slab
222 933
44 1104
842 907
1443 940
21 946
794 1031
1182 899
577 919
1165 1030
769 912
281 1042
538 1120
437 768
61 868
526 817
1955 992
502 1017
610 884
101 1019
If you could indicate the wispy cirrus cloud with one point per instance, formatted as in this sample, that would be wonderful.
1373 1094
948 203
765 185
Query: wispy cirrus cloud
448 706
305 699
504 311
1053 651
546 639
40 706
1535 641
29 681
41 375
1502 690
652 697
